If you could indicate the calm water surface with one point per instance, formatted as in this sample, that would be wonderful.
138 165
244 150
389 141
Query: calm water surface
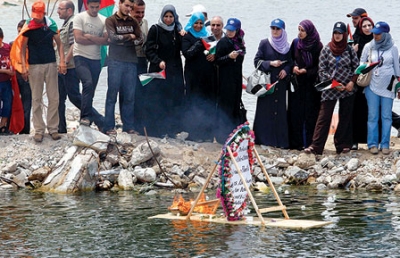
111 224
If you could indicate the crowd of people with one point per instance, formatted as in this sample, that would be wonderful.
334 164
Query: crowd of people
202 92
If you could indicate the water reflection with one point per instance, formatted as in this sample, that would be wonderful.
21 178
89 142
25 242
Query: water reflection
108 224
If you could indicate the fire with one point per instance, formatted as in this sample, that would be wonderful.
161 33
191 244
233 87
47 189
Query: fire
203 206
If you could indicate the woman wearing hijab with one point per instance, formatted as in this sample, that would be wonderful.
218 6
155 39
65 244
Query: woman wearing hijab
360 112
379 98
304 99
229 57
164 98
270 122
199 78
337 61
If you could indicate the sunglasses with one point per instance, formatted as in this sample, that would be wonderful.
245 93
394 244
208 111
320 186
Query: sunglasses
275 28
367 25
218 25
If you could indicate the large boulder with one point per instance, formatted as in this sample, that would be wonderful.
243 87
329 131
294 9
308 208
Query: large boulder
74 172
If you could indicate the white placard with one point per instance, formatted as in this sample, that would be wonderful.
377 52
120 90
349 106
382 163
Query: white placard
236 186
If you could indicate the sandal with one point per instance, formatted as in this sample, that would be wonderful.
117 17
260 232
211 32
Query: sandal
84 121
309 150
111 132
346 150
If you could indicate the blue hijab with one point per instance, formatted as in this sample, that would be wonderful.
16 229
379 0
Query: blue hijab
189 26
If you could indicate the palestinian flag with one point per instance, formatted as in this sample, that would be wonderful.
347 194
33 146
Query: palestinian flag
350 39
327 85
106 9
365 68
145 78
210 45
261 91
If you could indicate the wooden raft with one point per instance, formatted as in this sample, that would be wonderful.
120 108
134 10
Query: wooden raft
268 222
285 222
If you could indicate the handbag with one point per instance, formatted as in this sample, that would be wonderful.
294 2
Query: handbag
364 79
257 82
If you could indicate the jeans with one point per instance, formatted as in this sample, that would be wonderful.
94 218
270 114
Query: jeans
5 99
88 72
122 79
140 112
68 85
26 98
378 107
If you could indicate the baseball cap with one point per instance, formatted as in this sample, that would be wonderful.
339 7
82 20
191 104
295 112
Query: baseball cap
233 24
38 10
358 12
340 27
197 9
278 23
380 27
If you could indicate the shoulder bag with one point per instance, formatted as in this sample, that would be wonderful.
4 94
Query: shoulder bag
364 79
257 82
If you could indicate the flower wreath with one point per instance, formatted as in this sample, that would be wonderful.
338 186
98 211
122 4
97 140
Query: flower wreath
240 134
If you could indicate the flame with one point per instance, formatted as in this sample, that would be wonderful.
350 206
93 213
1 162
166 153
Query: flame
203 206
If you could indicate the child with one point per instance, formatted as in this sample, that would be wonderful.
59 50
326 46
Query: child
5 85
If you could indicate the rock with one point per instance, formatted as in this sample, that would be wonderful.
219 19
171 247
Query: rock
199 180
353 164
11 167
281 163
90 138
125 180
277 180
39 174
397 188
182 136
73 173
305 161
145 174
389 179
375 187
142 153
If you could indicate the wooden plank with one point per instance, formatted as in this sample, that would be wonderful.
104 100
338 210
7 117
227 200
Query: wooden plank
276 208
269 222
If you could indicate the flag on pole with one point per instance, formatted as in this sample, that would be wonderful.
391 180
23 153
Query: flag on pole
350 40
209 45
327 85
145 78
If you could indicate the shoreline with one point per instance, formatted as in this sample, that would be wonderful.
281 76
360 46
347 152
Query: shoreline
21 156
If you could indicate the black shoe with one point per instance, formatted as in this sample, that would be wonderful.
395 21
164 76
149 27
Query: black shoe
354 146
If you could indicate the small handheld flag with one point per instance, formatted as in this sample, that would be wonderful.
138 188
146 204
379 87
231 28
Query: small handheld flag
209 45
145 78
327 85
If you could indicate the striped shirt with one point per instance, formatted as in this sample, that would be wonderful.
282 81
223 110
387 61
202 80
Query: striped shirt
382 74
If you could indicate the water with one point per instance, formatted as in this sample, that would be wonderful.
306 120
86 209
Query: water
110 224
